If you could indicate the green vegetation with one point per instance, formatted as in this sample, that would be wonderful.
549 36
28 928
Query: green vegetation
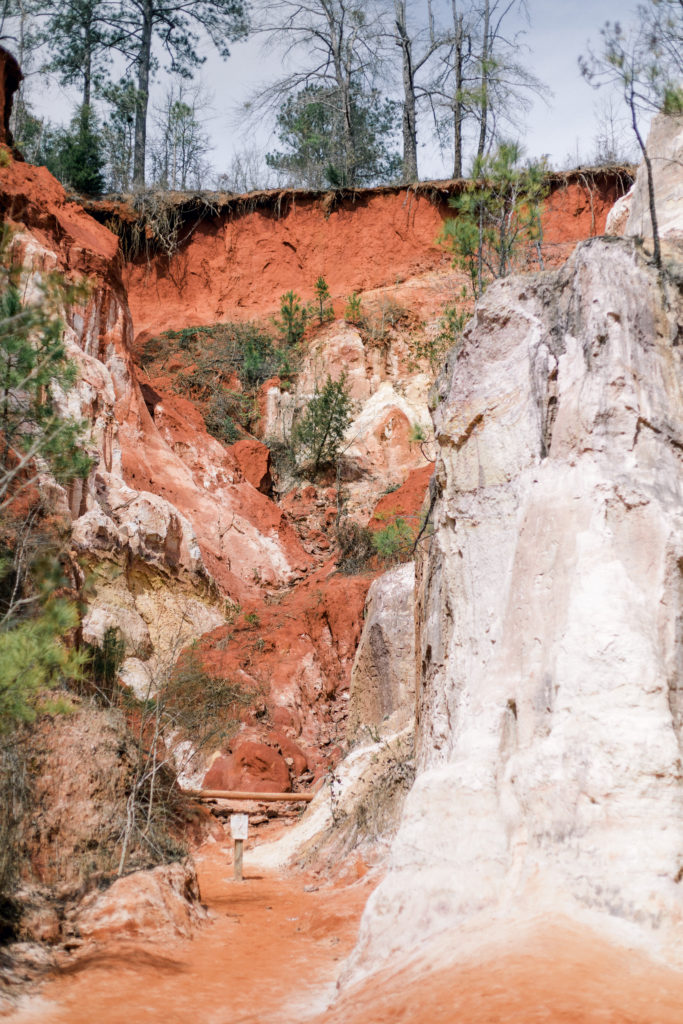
35 660
318 434
34 367
34 432
219 416
333 137
292 321
323 301
225 364
433 347
74 154
353 312
394 542
38 659
498 217
104 662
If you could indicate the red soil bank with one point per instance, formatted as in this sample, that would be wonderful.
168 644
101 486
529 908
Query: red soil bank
297 653
237 262
407 500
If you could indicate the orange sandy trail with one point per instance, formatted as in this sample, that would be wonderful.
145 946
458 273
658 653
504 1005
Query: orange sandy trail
271 953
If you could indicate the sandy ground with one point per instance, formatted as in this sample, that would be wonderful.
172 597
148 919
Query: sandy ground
562 974
271 953
273 950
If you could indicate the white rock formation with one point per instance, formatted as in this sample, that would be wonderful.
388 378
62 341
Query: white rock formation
617 218
550 621
383 675
665 147
388 401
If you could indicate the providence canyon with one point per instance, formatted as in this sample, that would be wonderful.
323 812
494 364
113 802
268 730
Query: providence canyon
341 533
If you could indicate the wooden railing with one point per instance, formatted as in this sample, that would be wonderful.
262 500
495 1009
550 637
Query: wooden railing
228 794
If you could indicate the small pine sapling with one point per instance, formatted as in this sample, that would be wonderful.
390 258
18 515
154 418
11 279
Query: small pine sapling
292 321
353 312
319 433
323 299
498 216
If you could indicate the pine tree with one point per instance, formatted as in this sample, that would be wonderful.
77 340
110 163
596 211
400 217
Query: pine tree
292 321
314 152
498 216
322 295
318 435
34 436
74 155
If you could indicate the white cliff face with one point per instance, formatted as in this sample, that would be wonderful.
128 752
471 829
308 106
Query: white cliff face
550 621
383 676
665 146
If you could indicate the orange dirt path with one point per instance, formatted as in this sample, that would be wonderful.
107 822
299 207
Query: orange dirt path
271 953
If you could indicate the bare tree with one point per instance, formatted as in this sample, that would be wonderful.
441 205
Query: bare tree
417 44
480 79
181 143
175 26
613 144
452 88
645 63
183 712
333 46
246 172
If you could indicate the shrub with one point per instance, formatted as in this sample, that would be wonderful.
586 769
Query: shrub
356 546
391 315
434 348
394 543
322 295
219 418
282 458
318 434
224 352
353 312
292 322
104 662
185 702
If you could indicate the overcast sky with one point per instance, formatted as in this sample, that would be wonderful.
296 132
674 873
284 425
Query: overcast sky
558 32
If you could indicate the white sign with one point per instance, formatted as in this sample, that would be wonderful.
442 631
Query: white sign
239 825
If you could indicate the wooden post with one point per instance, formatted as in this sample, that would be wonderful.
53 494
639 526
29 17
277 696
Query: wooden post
239 849
239 827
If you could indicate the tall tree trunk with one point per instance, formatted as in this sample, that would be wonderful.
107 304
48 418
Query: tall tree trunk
343 79
457 93
657 254
87 78
484 98
142 97
409 104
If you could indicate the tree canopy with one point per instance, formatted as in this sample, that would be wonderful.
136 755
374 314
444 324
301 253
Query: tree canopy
314 153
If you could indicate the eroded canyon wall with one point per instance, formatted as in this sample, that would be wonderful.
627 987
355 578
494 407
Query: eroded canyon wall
236 260
549 615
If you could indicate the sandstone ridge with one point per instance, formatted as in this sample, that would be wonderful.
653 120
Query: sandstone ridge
548 606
